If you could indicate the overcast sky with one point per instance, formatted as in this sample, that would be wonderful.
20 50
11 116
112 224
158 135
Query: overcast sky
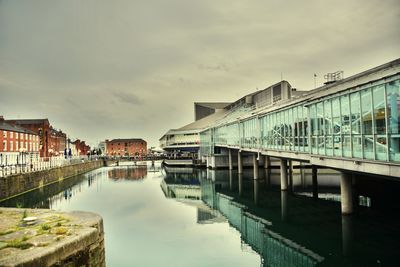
107 69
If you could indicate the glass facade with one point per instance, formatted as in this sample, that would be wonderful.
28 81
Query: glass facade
361 124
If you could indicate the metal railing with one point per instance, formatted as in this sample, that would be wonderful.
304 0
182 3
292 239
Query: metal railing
41 164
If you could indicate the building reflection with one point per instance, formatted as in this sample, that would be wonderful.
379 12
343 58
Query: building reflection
128 173
285 229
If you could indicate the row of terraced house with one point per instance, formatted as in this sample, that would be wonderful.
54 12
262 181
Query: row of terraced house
28 140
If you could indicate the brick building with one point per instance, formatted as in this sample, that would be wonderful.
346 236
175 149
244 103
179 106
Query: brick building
42 128
17 144
57 142
80 147
131 147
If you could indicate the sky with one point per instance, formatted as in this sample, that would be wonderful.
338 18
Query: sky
102 69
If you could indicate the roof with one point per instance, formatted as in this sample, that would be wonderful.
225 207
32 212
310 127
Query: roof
14 128
29 121
213 105
126 140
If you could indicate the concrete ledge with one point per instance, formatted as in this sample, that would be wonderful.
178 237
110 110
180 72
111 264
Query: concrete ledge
56 239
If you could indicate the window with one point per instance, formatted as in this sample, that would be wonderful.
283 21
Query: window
4 133
11 146
4 146
11 134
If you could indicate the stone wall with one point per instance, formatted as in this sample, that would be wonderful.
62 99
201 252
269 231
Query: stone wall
13 185
59 239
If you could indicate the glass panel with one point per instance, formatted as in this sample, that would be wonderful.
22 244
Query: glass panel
393 115
366 108
381 148
357 146
379 109
368 147
346 146
355 113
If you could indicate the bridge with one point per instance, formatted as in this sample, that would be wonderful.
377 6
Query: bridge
351 125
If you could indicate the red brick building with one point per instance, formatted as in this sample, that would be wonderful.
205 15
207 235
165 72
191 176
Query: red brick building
17 143
81 148
42 128
131 147
57 142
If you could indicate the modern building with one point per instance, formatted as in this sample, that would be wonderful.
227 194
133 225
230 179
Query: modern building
129 147
186 140
203 109
17 145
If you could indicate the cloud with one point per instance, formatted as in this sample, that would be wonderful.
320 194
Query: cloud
128 98
63 59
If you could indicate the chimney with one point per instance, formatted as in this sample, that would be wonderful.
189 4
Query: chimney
1 118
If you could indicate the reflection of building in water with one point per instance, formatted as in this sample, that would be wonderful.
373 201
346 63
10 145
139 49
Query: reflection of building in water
257 232
186 190
129 173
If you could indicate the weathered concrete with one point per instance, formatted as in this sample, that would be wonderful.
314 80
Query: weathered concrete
240 162
346 193
255 166
14 185
55 239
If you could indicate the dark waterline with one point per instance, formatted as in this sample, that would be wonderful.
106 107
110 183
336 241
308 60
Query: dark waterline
186 217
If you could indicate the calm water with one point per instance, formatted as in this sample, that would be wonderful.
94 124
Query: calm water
186 217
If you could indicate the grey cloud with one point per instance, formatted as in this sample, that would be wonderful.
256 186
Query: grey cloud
128 98
60 59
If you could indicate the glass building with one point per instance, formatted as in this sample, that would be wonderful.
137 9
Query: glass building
358 123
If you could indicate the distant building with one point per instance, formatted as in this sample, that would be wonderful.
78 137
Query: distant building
130 147
102 147
17 145
57 142
80 147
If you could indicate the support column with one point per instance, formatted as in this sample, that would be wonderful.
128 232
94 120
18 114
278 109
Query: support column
267 162
284 175
290 175
240 162
255 166
346 193
314 181
230 158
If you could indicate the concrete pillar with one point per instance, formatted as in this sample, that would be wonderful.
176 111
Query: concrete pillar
240 163
346 193
290 175
240 178
284 175
267 162
255 166
314 181
230 158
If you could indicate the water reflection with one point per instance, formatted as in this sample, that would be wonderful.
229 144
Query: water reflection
187 204
287 229
128 173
